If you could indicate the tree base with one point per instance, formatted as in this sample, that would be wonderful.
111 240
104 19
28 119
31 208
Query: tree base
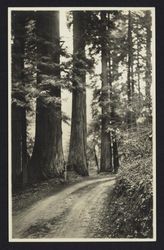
77 169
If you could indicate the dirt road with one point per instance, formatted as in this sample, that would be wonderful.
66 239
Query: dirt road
71 213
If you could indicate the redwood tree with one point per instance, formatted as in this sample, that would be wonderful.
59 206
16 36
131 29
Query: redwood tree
47 158
19 148
77 159
131 119
106 162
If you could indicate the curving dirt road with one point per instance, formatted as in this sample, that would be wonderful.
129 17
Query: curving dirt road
71 213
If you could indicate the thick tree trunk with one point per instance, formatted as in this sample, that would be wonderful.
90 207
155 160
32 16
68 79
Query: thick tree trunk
105 165
19 153
77 159
47 158
24 148
19 147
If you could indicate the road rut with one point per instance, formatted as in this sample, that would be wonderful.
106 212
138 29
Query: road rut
71 213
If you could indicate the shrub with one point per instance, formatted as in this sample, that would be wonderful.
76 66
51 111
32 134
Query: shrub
130 208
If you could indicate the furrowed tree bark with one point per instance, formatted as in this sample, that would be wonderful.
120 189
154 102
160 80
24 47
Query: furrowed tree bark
19 147
47 159
105 165
77 159
48 151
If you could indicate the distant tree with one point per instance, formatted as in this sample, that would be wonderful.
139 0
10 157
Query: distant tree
106 153
102 42
139 67
126 66
130 77
148 69
113 76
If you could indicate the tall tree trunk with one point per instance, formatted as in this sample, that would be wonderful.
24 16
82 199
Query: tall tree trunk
19 153
130 83
115 154
19 147
113 69
111 106
47 159
148 72
96 160
105 165
77 159
138 70
115 159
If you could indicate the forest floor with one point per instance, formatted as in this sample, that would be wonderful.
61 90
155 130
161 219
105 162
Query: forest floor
76 211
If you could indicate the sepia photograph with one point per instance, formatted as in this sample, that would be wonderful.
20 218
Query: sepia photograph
82 124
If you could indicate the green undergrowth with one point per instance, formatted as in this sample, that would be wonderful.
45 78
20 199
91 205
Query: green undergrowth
130 207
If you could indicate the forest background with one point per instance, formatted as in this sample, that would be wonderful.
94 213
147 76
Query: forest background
120 131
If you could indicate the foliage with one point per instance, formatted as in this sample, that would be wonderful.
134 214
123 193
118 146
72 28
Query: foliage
136 144
130 209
